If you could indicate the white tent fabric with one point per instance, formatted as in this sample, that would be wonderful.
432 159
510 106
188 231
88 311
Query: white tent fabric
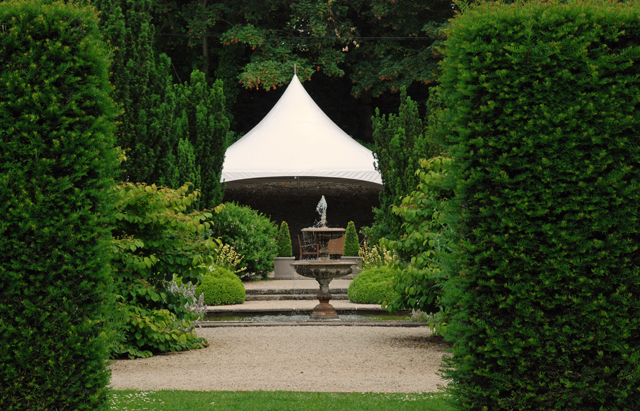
296 140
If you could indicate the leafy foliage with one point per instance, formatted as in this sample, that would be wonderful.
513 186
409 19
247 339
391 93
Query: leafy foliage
284 241
420 280
543 112
373 286
319 36
57 164
351 242
221 287
155 240
250 233
400 144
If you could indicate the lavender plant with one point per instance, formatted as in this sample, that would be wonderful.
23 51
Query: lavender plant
187 291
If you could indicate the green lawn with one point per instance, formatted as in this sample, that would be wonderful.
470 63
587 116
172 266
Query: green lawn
166 400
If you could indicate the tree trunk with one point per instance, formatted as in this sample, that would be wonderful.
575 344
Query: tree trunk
205 45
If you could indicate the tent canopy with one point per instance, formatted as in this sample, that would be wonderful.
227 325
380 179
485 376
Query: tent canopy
296 140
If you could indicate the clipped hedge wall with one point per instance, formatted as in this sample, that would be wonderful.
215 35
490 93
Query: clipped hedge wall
542 112
221 287
373 286
56 167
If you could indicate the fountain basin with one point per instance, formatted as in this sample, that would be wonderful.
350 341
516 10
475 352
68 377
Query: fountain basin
324 270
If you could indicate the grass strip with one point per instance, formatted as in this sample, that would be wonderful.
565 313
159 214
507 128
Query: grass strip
174 400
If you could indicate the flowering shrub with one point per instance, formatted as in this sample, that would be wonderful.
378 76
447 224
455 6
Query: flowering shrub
228 258
187 291
376 256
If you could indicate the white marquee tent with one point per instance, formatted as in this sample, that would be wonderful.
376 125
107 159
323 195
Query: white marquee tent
295 141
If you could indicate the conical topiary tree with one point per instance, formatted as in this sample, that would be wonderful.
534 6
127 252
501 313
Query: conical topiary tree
351 243
284 241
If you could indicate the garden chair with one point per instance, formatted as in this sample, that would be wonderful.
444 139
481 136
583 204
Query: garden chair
336 247
303 247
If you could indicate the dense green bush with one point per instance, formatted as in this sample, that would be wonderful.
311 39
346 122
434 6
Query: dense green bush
220 287
420 280
373 286
351 243
543 115
156 239
400 143
57 164
251 234
284 241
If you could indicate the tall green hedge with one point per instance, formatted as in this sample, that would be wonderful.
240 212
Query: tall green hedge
543 111
56 167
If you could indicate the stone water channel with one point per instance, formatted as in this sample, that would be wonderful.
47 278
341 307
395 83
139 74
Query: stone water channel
291 303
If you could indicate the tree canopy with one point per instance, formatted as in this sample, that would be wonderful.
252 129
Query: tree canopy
378 45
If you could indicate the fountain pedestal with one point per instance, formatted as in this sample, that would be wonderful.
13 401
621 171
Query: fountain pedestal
323 270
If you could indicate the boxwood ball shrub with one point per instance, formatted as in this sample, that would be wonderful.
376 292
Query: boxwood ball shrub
221 287
542 115
373 286
251 234
57 164
284 241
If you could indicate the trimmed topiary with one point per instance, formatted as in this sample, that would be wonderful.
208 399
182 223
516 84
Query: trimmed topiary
221 287
542 114
284 241
351 243
373 286
57 164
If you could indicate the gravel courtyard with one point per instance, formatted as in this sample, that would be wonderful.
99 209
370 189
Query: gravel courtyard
294 358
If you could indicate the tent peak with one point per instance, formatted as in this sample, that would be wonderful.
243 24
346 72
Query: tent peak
297 139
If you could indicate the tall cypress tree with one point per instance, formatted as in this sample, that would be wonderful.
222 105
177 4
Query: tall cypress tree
399 146
188 171
141 80
206 130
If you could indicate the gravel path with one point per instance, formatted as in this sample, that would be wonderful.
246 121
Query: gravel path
329 359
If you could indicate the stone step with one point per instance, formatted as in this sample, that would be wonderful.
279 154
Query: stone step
292 291
282 297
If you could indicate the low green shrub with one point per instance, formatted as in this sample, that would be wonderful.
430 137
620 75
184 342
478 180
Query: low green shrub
373 286
250 233
220 287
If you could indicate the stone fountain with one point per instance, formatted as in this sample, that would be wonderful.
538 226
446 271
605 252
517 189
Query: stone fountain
323 269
